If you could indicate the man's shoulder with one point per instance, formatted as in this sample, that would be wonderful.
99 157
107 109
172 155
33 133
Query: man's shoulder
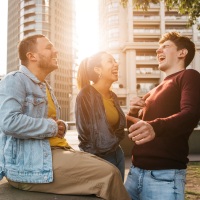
191 73
11 76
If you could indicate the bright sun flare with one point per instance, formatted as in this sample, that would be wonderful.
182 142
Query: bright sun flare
87 27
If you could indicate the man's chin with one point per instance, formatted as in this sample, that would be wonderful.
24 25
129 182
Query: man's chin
55 67
160 67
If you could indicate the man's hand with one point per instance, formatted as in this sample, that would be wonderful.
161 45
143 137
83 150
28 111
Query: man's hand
61 129
140 132
137 104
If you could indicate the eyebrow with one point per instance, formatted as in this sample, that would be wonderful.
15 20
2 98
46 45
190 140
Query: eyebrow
49 45
165 45
112 59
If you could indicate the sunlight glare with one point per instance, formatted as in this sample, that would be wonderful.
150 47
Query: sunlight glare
87 27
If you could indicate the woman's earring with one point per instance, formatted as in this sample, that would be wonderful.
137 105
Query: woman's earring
100 75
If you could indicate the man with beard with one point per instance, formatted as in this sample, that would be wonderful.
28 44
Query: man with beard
34 155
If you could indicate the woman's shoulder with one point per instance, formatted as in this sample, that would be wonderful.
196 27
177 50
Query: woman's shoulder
86 91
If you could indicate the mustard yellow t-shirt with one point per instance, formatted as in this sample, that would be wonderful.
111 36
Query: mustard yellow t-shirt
111 112
54 141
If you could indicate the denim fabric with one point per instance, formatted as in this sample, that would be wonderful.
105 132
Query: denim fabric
117 159
25 154
156 184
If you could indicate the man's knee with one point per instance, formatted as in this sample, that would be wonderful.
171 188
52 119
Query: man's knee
112 170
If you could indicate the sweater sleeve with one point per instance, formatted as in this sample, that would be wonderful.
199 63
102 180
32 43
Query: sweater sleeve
189 114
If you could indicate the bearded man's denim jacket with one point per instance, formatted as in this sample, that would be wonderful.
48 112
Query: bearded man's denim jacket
25 152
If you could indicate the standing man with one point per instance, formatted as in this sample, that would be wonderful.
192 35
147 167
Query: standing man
34 155
168 114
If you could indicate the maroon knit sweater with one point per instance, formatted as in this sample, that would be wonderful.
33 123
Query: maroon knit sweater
173 109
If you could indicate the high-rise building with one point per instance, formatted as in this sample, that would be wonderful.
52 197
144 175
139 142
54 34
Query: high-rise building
132 36
56 20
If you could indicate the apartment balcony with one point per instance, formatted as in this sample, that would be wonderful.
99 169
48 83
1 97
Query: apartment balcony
173 20
140 46
28 20
150 73
153 75
186 32
29 3
148 33
197 44
29 28
30 11
142 20
152 8
119 91
146 60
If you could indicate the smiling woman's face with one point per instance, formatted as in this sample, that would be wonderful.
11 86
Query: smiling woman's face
109 70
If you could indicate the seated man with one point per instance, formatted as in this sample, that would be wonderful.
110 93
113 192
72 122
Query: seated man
34 155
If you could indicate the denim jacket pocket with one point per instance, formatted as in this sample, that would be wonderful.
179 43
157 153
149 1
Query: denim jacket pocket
34 106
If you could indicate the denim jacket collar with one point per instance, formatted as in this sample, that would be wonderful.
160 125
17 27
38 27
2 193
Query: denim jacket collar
23 69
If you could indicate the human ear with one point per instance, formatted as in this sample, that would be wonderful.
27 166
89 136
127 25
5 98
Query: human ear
31 56
183 53
97 70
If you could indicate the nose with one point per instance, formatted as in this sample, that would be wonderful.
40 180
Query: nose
116 64
158 50
54 50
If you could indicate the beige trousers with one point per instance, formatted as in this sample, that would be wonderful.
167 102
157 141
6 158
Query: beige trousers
80 173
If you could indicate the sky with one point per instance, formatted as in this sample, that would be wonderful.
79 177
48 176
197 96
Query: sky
87 30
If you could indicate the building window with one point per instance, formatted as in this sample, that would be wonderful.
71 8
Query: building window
113 33
113 20
113 7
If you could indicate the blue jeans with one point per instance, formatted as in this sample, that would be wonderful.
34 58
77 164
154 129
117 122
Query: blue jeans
117 159
156 184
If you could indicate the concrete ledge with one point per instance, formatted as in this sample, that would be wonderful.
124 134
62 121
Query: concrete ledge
7 192
194 147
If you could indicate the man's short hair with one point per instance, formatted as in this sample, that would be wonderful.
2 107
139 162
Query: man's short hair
28 44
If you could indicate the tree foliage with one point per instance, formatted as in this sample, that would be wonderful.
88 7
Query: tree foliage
184 7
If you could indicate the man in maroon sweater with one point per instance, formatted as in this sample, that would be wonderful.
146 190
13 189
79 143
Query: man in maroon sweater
161 123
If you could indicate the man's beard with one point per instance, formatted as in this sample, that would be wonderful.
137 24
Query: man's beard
45 63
